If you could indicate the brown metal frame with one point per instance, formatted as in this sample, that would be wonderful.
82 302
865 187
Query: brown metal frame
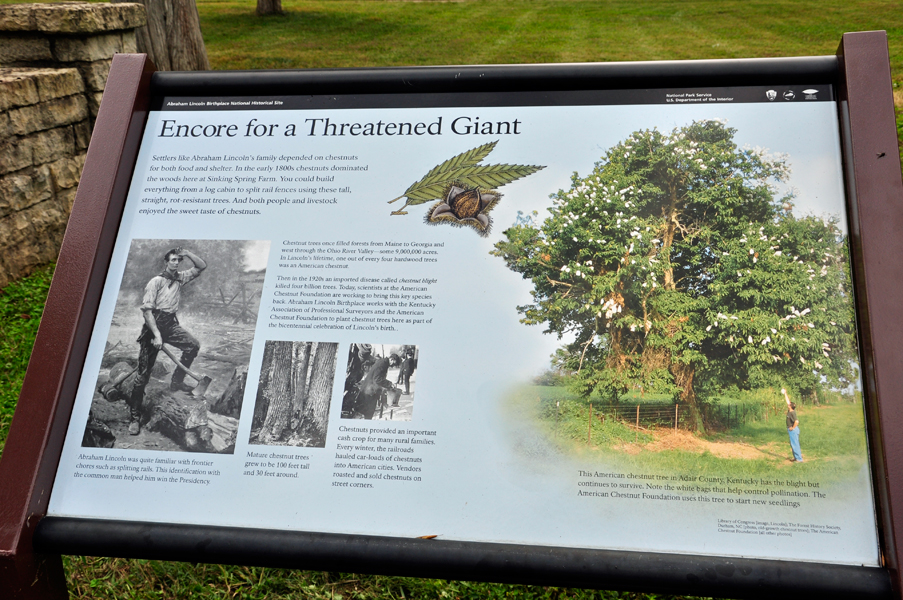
34 444
875 196
36 435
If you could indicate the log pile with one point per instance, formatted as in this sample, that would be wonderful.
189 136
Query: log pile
188 420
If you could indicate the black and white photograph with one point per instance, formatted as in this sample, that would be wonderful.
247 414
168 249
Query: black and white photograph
175 362
294 394
379 382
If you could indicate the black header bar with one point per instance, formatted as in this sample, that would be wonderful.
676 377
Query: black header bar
686 74
776 94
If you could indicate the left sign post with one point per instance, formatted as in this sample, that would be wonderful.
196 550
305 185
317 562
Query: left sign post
35 440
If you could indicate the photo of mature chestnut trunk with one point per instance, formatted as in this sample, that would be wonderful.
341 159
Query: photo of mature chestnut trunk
295 393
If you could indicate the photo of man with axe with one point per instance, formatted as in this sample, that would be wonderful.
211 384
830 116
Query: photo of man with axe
139 401
161 326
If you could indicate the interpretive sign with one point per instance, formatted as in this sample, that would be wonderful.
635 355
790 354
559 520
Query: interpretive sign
586 318
685 241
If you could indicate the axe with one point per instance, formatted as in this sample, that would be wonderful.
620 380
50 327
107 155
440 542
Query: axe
203 381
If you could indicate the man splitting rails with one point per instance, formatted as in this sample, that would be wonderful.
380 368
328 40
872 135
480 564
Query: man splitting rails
161 326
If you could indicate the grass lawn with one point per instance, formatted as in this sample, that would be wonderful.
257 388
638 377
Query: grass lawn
21 305
340 33
832 437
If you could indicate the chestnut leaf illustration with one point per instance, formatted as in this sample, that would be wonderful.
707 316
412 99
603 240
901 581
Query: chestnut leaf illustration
464 188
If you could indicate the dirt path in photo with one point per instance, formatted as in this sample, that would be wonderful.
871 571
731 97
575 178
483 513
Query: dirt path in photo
684 441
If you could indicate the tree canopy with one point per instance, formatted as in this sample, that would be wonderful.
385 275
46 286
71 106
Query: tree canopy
676 269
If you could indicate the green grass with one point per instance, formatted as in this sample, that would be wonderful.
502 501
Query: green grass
832 436
117 579
346 33
341 33
21 305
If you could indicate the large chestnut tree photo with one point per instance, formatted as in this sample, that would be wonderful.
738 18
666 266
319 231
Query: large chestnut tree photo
674 267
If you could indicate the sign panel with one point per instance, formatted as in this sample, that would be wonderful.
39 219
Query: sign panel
494 318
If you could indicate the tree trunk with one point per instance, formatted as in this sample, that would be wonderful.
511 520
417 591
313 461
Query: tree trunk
279 393
266 373
269 7
186 45
152 39
316 411
300 366
668 239
172 37
683 377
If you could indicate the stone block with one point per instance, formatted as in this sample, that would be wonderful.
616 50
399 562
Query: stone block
48 146
65 199
14 156
96 47
5 125
72 17
17 88
47 223
31 238
16 49
47 115
25 86
129 41
95 74
82 133
94 103
66 172
30 233
5 269
58 83
24 188
78 17
17 17
14 232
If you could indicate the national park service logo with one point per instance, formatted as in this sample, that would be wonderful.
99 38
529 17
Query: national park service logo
465 190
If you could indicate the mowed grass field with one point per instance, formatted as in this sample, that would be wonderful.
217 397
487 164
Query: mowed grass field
375 33
338 33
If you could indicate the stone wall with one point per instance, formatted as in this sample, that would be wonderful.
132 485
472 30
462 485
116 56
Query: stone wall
54 61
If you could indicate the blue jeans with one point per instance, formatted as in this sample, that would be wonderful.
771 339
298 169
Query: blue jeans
795 443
